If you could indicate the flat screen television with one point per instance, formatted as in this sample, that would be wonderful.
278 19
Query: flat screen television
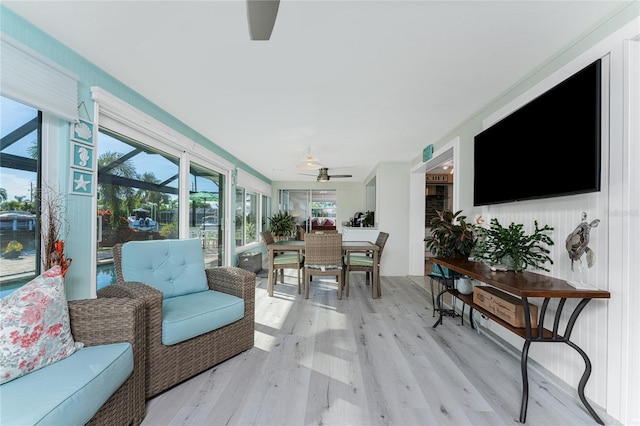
549 147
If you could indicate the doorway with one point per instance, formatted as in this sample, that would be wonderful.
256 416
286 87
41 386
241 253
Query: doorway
439 182
417 213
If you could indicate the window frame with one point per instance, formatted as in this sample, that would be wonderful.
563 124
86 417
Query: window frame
118 116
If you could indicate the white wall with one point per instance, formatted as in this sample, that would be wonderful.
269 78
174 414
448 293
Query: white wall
392 216
604 328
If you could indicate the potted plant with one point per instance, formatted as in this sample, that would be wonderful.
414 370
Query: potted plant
13 250
368 219
282 225
512 248
451 236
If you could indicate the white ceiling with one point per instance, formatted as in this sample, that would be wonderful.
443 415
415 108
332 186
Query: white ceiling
357 82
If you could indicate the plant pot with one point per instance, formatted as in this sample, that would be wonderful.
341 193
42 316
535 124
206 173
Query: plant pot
510 264
11 255
464 285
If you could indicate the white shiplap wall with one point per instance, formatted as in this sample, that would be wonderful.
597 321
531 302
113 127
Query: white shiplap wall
590 333
564 214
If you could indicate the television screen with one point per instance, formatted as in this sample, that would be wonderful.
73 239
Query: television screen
550 147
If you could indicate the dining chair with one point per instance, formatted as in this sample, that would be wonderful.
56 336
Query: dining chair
283 260
323 257
363 261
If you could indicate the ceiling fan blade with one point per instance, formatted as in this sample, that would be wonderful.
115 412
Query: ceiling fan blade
261 15
323 175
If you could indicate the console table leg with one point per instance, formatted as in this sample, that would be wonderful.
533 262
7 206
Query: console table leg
583 382
439 299
525 381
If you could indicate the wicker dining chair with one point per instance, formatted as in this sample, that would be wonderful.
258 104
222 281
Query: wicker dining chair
283 260
363 261
323 257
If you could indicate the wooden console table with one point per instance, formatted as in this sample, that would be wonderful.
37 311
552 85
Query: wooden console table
525 285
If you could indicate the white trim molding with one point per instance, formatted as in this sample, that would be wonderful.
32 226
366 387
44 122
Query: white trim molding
250 182
121 112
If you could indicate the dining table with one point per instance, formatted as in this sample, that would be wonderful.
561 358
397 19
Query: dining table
298 246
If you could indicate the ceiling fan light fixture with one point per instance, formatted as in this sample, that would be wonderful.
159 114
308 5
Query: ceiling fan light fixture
309 163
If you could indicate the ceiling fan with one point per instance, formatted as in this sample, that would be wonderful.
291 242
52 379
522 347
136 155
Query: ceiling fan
323 175
261 15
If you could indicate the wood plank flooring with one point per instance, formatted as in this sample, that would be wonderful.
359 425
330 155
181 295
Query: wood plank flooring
360 361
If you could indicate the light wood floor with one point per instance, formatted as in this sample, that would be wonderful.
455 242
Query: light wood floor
360 361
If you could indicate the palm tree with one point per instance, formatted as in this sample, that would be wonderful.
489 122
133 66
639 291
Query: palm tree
119 198
3 195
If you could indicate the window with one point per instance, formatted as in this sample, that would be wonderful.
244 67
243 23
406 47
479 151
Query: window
137 196
266 212
177 186
323 209
20 179
206 212
251 215
246 217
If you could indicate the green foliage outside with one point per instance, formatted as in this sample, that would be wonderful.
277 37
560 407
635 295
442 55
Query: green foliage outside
13 246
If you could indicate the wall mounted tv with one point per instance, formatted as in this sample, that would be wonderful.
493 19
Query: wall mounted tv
550 147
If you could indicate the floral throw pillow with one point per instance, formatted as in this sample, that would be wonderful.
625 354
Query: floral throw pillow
34 326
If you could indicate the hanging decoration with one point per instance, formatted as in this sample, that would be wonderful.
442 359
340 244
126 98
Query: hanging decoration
577 243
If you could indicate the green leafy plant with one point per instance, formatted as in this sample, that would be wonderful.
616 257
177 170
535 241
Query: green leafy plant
282 225
368 218
13 246
512 247
451 235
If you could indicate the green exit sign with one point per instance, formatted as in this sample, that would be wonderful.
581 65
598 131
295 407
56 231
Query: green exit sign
427 153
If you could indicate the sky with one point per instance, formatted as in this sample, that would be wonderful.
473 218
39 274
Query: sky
12 115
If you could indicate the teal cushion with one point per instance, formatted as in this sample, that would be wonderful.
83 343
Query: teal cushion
67 392
359 260
283 259
175 267
191 315
439 270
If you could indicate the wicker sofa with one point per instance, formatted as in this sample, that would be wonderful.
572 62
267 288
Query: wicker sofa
45 397
168 364
98 322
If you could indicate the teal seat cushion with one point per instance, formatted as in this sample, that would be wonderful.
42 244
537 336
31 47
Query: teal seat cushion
69 391
283 259
358 260
175 267
191 315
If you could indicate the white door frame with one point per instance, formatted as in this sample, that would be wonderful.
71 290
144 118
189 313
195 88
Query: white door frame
417 202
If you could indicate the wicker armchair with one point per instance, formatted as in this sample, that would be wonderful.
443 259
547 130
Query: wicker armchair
323 256
103 321
168 365
363 261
